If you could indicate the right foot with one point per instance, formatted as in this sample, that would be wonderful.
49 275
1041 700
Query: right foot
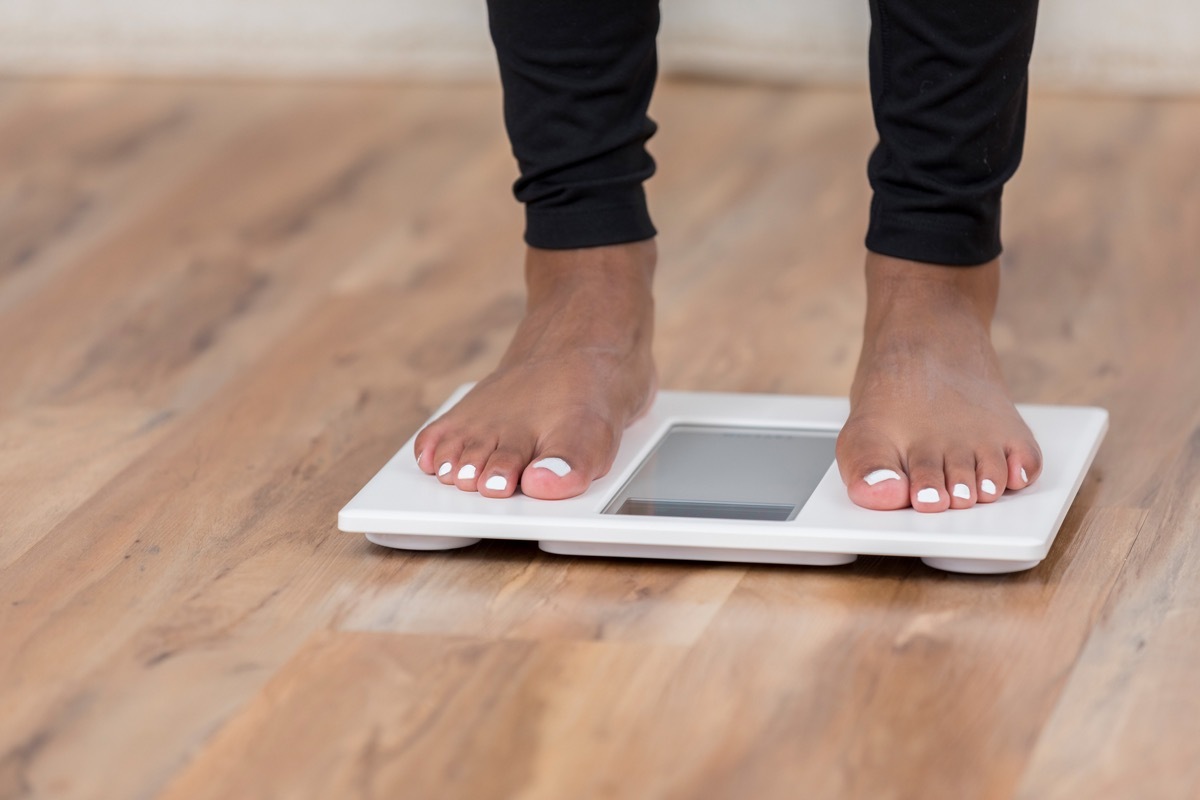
578 371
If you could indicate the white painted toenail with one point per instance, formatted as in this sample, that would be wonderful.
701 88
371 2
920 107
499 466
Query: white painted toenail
555 465
962 491
881 475
467 472
497 483
1024 477
928 496
444 468
987 487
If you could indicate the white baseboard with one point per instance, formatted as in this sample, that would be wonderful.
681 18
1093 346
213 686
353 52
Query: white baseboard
1099 45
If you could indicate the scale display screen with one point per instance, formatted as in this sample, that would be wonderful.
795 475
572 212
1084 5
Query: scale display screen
727 472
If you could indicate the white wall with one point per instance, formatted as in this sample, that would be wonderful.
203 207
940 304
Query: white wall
1151 45
254 37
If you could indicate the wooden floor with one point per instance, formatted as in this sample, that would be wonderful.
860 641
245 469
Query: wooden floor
224 306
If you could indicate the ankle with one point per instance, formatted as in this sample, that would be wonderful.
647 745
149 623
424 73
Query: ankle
919 290
621 267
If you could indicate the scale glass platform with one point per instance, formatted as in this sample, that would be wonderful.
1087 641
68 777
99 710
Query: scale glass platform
738 478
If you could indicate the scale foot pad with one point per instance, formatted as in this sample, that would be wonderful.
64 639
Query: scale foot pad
405 541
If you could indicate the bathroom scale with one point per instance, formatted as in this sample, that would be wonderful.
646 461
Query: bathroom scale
738 478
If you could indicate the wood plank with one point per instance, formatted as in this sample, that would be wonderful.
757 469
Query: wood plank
766 246
514 593
428 716
882 680
1128 722
180 590
170 307
87 159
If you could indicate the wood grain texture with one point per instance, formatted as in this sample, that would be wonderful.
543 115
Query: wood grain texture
224 306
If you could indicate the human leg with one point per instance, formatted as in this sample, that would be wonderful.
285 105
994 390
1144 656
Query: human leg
932 424
577 81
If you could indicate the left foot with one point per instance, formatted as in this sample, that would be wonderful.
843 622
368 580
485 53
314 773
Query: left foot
931 423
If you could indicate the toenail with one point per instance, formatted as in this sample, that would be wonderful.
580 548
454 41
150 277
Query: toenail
444 469
881 475
497 483
467 472
555 465
1024 477
928 496
419 457
961 491
987 487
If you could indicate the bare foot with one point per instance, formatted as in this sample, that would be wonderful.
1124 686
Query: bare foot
931 422
578 371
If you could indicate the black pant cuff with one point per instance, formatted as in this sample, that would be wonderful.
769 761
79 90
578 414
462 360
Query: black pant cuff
570 228
948 246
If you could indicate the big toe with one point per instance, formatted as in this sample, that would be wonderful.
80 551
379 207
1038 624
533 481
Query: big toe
566 463
871 469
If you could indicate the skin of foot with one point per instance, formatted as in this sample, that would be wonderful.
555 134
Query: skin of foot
579 370
932 424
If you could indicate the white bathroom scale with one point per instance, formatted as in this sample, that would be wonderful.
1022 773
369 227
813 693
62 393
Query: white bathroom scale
740 478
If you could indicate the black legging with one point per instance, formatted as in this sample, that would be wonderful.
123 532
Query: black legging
948 87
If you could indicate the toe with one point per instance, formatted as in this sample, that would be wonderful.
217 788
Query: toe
425 447
872 471
927 479
960 479
470 463
991 474
502 473
569 460
551 477
1024 464
446 459
882 488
